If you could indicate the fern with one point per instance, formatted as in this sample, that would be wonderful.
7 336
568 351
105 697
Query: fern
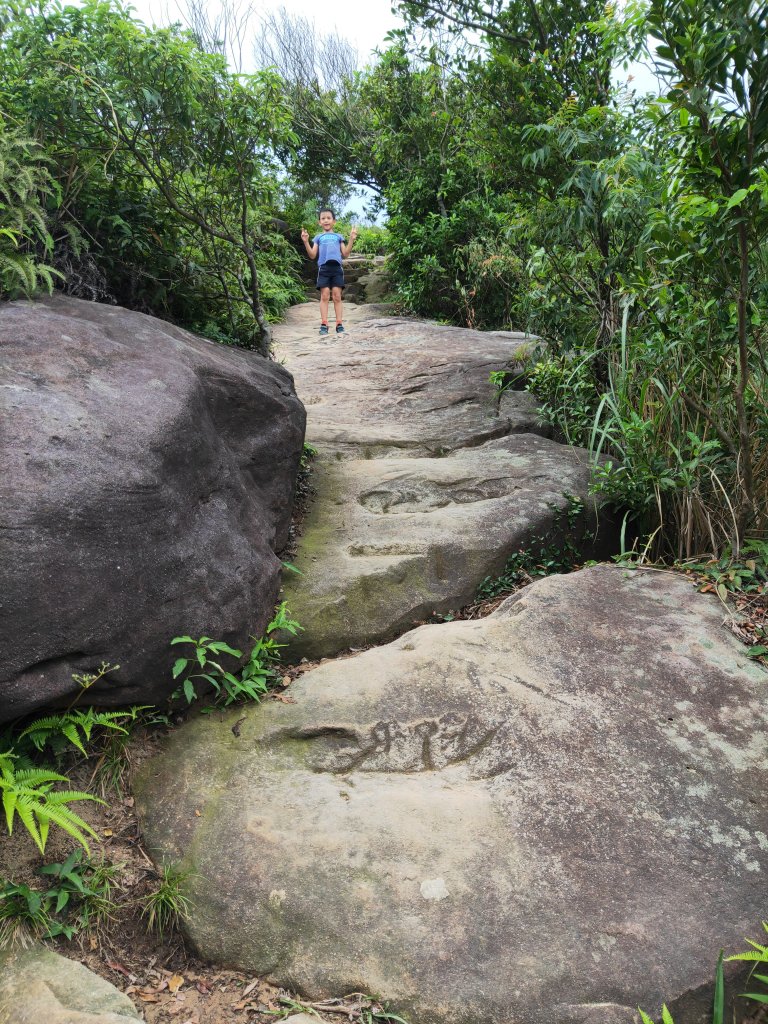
29 794
75 726
25 186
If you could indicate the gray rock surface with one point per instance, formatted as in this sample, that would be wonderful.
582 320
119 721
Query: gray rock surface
147 480
552 815
391 386
37 986
388 541
425 482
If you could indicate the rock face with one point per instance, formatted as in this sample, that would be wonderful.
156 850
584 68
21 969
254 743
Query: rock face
147 480
391 386
425 482
37 985
388 541
551 815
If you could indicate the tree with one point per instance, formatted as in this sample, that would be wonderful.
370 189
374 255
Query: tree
715 222
192 146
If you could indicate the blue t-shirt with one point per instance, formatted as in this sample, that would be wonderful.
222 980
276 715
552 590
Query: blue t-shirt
328 247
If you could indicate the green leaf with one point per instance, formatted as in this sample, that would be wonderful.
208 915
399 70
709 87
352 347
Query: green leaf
220 647
757 651
718 1003
62 900
738 196
292 568
178 667
70 732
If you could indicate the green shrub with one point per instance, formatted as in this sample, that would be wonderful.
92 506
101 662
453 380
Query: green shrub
250 682
78 897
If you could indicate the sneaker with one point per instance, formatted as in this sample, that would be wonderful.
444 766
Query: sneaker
323 328
339 328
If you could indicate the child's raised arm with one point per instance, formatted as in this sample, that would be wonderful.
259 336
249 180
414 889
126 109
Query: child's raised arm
346 247
311 249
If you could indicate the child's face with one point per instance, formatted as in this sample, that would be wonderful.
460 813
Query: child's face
327 220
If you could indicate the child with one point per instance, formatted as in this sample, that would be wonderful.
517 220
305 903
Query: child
329 248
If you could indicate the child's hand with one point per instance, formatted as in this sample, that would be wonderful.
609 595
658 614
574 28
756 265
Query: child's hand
352 235
304 235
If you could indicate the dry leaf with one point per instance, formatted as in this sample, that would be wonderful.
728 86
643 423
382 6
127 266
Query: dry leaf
118 967
249 988
175 983
283 698
197 813
108 832
202 988
148 997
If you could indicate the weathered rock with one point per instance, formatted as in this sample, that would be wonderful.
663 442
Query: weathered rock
425 481
403 387
38 986
147 480
388 541
554 814
376 285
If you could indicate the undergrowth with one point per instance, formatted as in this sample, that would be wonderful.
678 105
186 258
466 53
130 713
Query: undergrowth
557 551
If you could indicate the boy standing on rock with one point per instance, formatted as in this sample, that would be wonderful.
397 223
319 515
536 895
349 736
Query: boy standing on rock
329 248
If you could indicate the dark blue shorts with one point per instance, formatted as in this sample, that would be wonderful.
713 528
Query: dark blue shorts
330 275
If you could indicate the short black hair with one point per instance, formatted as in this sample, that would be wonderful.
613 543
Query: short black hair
326 209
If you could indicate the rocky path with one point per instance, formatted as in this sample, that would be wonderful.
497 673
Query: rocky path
425 481
548 816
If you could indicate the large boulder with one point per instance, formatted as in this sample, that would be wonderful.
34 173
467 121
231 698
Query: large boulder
147 481
37 986
552 815
389 541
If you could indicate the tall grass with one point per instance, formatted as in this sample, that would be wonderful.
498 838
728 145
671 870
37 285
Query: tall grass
661 429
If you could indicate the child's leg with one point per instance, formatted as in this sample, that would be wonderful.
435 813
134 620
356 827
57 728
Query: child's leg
325 294
337 305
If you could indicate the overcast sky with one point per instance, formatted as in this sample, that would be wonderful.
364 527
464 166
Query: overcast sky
364 23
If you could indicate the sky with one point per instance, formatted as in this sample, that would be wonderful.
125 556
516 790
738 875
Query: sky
364 23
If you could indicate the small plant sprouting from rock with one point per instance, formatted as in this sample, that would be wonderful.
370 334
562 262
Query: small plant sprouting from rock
250 682
555 552
308 453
